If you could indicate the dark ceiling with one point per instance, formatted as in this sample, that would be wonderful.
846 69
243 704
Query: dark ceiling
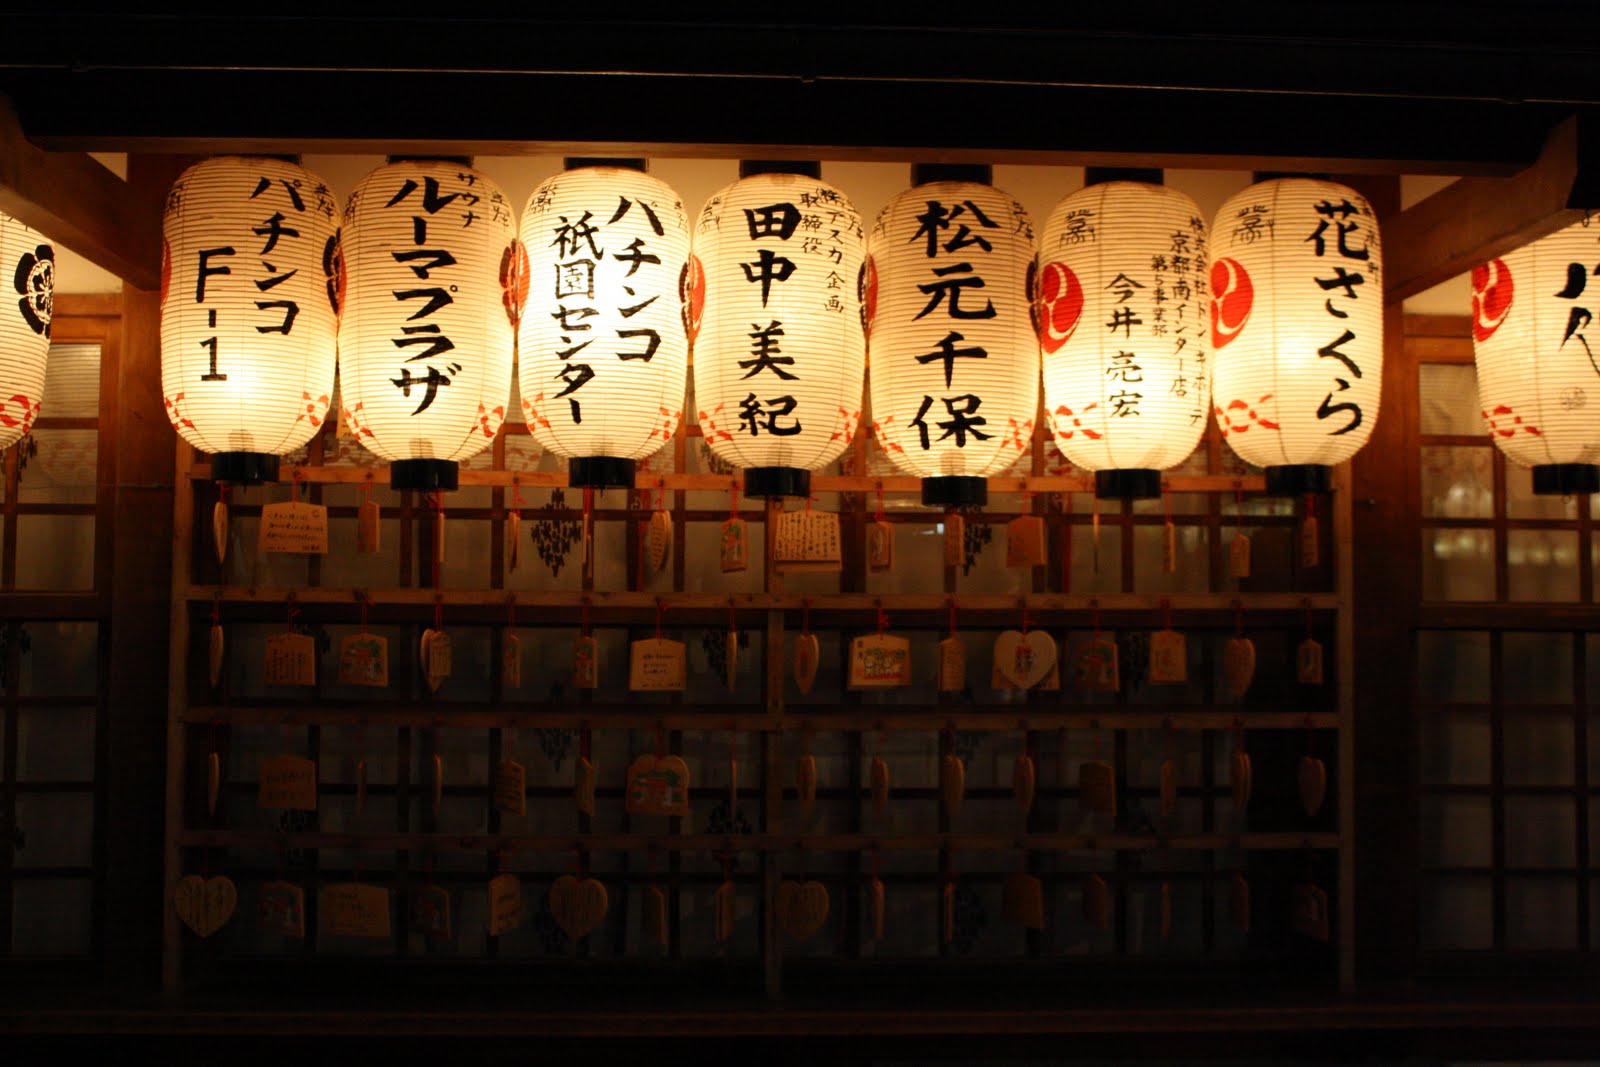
1465 87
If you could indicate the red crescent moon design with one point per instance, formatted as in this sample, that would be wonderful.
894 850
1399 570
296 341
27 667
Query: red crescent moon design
1491 298
1231 297
1060 305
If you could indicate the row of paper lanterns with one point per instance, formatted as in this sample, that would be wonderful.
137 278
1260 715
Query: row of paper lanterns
1142 320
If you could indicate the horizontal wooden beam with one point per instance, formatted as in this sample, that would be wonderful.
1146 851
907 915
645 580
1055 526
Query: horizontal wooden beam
874 719
71 198
1475 219
608 842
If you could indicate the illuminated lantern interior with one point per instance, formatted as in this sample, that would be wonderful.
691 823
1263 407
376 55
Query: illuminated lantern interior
28 262
1296 320
249 315
603 344
1538 358
954 374
435 281
779 354
1120 309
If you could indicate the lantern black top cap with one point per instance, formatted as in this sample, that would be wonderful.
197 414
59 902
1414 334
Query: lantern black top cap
625 162
464 161
810 168
923 173
1097 175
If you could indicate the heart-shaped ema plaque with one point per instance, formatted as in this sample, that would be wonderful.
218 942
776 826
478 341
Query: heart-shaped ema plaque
204 904
658 785
578 904
802 908
1025 658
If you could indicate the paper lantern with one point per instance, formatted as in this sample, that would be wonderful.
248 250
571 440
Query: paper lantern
1538 357
1120 309
248 310
1296 306
28 263
435 283
779 355
955 363
603 346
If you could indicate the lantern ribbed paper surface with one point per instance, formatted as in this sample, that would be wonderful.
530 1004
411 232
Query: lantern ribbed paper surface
248 315
28 263
779 354
1296 317
1538 356
954 359
436 280
1121 316
604 353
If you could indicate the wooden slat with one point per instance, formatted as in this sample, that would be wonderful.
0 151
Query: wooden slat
763 842
898 719
1475 219
74 200
819 603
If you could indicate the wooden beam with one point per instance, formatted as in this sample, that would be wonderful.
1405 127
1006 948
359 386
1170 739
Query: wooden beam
1475 219
75 201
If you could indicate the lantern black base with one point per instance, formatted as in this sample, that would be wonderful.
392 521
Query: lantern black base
1135 483
1297 479
955 492
1566 479
599 472
424 475
244 468
771 482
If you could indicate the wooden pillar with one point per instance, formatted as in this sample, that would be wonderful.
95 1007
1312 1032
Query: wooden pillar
1379 758
136 722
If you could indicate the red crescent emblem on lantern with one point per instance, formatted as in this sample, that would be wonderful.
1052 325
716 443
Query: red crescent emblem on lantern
1491 298
1060 305
166 270
514 280
692 291
869 295
1231 296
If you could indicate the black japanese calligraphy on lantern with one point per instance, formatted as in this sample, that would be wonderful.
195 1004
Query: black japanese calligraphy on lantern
1339 234
762 416
766 352
420 339
949 353
963 420
1579 318
948 228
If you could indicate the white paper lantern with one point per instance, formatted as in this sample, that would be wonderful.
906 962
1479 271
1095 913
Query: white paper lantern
1121 315
248 310
436 281
780 354
27 265
954 359
603 345
1537 347
1296 297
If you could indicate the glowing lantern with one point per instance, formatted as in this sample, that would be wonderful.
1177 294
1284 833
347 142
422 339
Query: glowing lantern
955 361
248 310
779 355
1296 303
1122 267
27 262
1538 357
604 352
435 284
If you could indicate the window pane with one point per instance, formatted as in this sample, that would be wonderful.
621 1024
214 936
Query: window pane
1538 749
1541 832
61 469
1457 913
62 659
1541 913
1536 668
1457 564
1456 831
1449 398
58 829
52 917
55 552
72 382
55 744
1521 503
1453 666
1455 748
1457 482
1542 564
